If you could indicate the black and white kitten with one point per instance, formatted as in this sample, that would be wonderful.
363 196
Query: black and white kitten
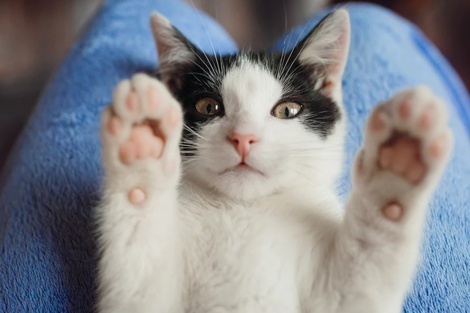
218 192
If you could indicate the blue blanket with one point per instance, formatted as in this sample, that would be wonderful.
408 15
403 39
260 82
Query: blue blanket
51 183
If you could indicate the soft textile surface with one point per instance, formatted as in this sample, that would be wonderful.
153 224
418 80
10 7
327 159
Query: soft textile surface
49 187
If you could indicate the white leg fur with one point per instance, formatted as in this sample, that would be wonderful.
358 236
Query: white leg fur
138 225
376 253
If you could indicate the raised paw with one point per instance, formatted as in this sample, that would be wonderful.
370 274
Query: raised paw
406 138
141 130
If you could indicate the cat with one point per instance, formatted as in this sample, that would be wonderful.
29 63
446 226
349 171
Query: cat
219 181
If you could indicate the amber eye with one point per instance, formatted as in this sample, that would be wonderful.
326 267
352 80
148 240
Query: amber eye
286 110
209 107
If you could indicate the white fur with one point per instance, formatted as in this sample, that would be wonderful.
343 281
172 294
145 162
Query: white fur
247 242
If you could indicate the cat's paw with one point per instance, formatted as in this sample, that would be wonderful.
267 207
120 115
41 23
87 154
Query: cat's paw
407 145
141 131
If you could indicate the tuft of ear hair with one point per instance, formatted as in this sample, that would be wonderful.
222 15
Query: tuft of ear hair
327 46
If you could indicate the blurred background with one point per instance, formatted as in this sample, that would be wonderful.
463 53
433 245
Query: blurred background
35 35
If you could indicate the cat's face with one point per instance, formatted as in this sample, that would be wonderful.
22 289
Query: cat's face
257 123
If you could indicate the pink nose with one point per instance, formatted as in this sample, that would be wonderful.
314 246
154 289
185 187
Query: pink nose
242 143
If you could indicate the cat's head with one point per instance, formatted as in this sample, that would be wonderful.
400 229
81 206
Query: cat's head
257 123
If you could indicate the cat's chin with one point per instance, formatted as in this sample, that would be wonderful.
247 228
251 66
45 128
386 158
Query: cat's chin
240 182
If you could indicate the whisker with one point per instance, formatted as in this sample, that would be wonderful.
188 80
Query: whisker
192 131
213 69
295 44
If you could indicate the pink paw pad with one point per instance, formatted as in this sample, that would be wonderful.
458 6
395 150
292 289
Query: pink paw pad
137 196
115 125
401 156
146 142
142 143
404 109
426 120
127 152
377 122
437 146
416 173
393 212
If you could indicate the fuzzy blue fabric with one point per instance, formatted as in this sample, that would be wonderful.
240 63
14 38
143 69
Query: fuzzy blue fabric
51 183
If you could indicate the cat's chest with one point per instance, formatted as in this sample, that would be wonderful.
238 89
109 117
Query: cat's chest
242 258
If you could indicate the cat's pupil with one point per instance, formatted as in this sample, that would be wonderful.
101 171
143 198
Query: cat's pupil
209 108
287 111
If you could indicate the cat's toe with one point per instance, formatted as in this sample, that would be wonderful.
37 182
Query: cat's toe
417 112
436 150
126 103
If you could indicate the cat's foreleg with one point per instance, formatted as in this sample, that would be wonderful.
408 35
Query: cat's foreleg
407 145
140 264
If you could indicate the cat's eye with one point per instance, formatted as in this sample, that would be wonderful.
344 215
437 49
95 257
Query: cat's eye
286 110
209 107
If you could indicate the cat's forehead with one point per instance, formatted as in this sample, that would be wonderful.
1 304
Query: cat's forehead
249 84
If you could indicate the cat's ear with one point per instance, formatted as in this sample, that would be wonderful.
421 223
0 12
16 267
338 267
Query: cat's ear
175 52
326 48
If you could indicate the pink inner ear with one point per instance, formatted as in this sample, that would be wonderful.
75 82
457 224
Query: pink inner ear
162 32
328 86
328 47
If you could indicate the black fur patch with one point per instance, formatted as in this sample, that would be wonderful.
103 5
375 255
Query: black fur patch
320 113
203 77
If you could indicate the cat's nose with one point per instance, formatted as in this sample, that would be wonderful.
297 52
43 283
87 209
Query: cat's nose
242 143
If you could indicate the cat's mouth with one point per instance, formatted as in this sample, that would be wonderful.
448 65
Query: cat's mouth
242 167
